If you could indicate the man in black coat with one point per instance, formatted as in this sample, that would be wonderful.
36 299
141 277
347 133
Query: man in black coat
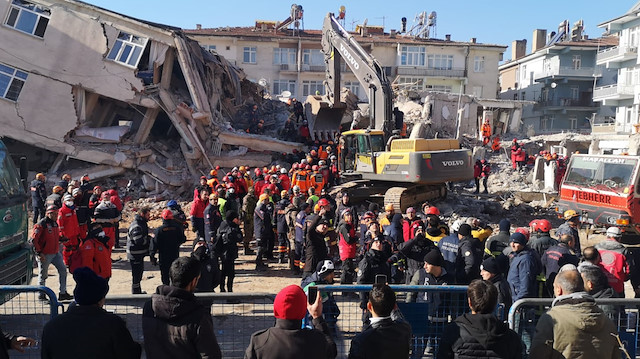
315 248
138 241
492 270
174 323
38 197
388 335
87 330
212 220
229 235
480 334
375 262
166 242
263 229
414 251
209 267
469 256
496 244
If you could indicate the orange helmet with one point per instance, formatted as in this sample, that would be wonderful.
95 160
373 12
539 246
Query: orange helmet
213 172
167 214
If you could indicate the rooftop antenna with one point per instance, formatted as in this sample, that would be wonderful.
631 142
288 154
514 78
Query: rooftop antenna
423 25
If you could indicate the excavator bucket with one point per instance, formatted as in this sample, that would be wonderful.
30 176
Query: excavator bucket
324 120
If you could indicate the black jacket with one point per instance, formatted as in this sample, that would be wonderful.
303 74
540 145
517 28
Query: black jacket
540 242
504 292
227 239
54 199
263 221
315 248
38 193
373 263
212 221
479 336
286 340
468 260
281 216
167 240
388 338
414 251
94 332
498 243
138 239
209 269
176 325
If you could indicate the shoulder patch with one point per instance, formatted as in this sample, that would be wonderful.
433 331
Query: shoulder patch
467 253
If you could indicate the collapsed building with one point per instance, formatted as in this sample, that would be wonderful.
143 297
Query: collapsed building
120 94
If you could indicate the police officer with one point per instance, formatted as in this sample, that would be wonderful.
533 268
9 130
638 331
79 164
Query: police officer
166 242
38 197
55 198
212 221
281 226
138 240
45 237
263 229
228 237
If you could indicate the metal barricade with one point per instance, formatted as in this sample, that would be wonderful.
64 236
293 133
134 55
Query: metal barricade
23 313
435 307
235 316
524 315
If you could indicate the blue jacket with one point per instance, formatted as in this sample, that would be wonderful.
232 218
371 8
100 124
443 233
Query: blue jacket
449 248
522 274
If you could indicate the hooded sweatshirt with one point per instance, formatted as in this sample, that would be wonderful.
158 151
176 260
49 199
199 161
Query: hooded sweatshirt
576 328
176 325
479 336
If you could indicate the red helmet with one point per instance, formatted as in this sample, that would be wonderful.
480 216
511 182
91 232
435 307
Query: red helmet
543 225
534 225
167 214
308 167
433 210
369 215
524 231
313 153
323 202
314 168
295 166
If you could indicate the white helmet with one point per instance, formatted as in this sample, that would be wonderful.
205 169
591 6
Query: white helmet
303 161
296 188
456 225
283 171
325 267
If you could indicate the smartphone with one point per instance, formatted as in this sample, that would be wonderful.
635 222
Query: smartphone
381 279
312 293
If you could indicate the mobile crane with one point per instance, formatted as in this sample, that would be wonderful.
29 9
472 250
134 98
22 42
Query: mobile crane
407 171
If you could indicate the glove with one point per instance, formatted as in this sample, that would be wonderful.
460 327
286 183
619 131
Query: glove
154 261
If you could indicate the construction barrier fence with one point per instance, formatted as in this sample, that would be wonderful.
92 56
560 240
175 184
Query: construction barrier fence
524 314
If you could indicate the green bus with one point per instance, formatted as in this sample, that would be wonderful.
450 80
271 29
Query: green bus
16 264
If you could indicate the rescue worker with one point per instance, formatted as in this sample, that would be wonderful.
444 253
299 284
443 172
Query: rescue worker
202 185
301 218
106 214
410 224
55 198
46 245
301 179
348 245
389 211
209 269
315 247
312 199
82 204
555 257
69 229
95 198
282 229
515 149
64 180
212 220
485 170
212 181
178 214
95 252
486 132
318 181
571 226
138 241
285 181
540 240
166 242
263 229
227 239
616 260
197 215
38 197
469 256
495 145
248 207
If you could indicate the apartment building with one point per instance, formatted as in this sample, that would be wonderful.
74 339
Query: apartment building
559 76
291 60
612 134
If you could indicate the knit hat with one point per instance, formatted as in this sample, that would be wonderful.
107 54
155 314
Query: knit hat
231 215
434 258
518 238
290 303
505 225
90 288
491 265
464 230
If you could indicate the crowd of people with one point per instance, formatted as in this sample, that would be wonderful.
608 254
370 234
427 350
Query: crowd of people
285 214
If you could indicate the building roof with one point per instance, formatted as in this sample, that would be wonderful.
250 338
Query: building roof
150 23
314 35
626 17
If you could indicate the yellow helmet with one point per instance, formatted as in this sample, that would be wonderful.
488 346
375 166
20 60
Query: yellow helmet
242 168
568 214
264 197
389 207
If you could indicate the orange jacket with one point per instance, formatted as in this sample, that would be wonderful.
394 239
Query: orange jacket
317 181
301 179
486 130
97 256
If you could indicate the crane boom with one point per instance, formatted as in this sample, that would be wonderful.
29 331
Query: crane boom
338 44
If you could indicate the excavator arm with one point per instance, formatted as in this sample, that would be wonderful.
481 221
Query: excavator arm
338 44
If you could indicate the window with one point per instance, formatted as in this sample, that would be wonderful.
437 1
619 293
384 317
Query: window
478 64
577 62
573 122
440 62
633 36
312 87
249 55
524 72
312 57
210 48
439 88
575 93
353 86
411 83
412 55
11 82
280 86
127 49
284 56
477 91
27 17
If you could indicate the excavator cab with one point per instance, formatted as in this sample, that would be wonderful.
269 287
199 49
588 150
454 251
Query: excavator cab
359 151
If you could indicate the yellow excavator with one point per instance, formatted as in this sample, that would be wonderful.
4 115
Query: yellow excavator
375 160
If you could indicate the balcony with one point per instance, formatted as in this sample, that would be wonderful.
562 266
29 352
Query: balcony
423 71
604 126
616 54
587 73
613 92
565 104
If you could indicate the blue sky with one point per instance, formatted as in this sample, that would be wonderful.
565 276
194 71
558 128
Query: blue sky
490 21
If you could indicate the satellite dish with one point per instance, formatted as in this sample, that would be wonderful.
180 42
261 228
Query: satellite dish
554 85
262 82
364 23
286 94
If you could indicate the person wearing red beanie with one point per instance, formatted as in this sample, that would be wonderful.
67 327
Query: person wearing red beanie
286 339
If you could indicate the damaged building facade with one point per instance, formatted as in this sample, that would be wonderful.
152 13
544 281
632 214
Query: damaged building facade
119 94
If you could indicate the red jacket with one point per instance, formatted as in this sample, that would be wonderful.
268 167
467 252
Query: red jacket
97 256
257 187
477 170
197 208
409 228
285 182
615 263
115 199
241 185
347 234
46 236
68 223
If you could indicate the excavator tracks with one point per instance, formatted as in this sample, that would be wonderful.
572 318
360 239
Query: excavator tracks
383 193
